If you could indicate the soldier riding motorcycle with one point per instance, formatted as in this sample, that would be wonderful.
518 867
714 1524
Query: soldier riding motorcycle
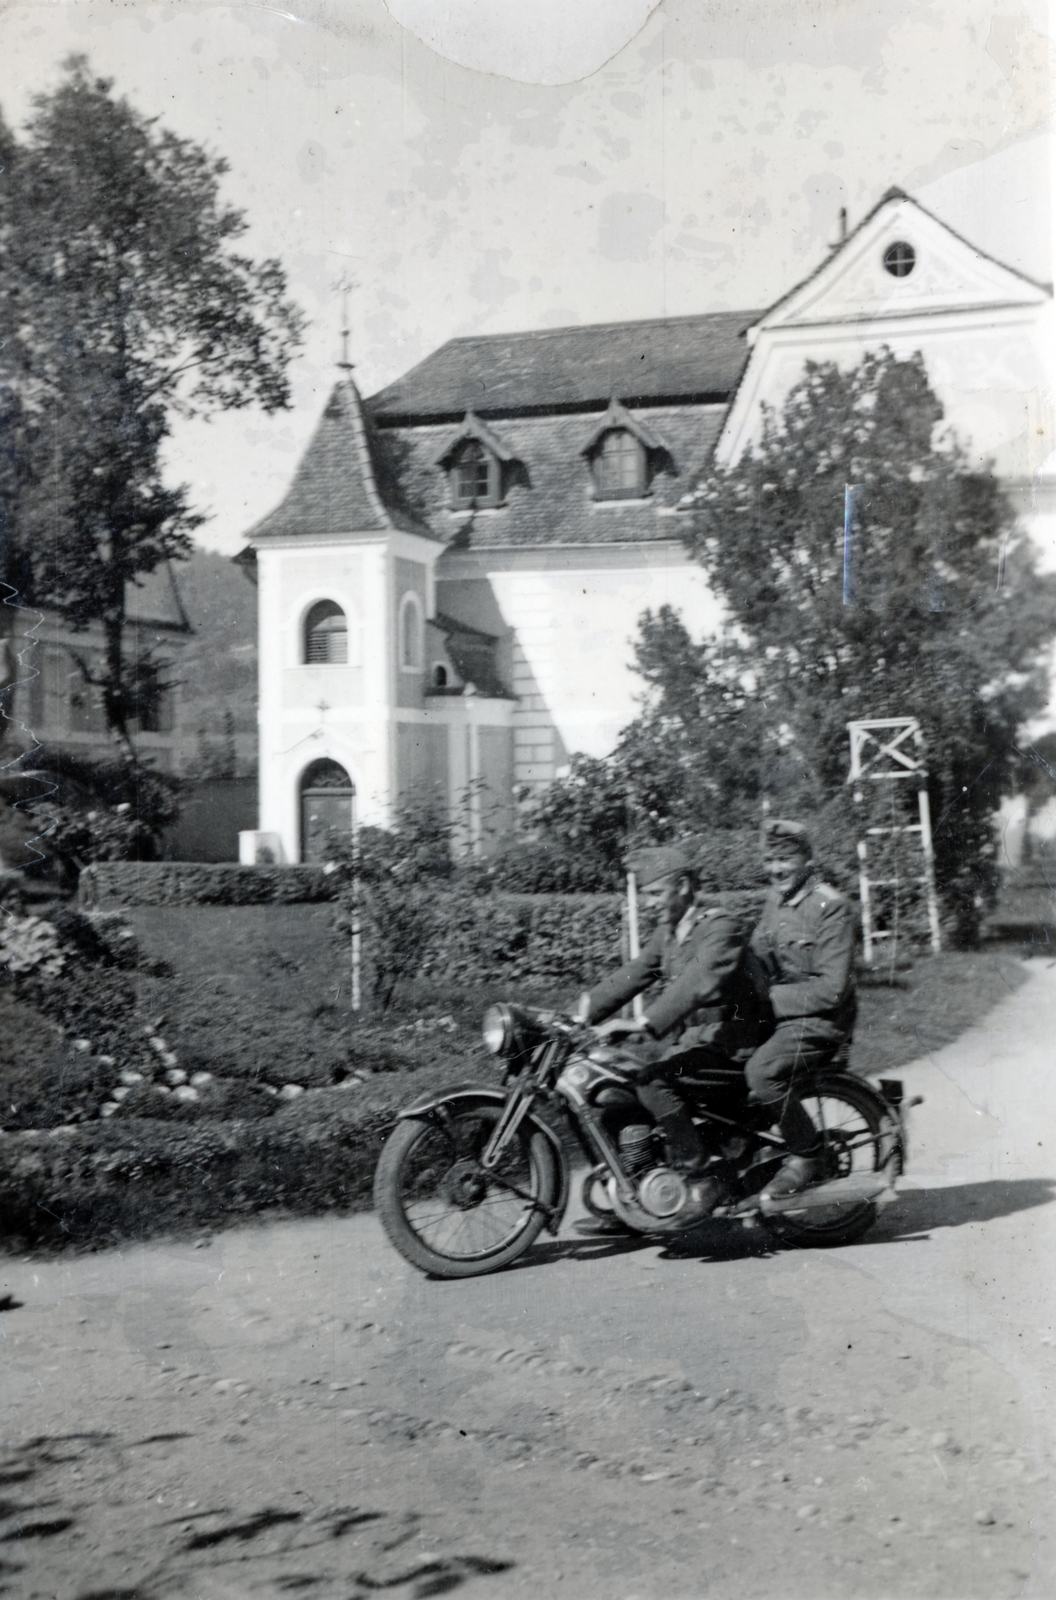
470 1176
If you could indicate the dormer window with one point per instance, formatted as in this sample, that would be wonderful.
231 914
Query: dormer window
476 477
480 469
624 455
326 635
620 466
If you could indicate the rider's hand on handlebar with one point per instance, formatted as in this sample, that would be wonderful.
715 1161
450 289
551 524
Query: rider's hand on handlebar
618 1028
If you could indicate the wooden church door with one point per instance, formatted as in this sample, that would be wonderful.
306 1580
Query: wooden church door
327 797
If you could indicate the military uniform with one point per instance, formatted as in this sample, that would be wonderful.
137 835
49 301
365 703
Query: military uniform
714 994
714 999
805 941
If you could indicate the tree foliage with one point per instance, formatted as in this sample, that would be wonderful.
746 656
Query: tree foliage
123 303
944 618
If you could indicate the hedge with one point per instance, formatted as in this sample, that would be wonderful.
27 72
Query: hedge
557 938
100 1182
189 883
563 938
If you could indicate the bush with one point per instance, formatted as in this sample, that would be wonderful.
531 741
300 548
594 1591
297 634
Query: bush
184 883
559 939
121 1179
94 812
552 866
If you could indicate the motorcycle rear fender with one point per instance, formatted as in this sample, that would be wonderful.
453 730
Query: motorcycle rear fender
488 1092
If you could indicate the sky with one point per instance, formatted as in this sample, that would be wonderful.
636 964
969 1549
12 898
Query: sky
699 163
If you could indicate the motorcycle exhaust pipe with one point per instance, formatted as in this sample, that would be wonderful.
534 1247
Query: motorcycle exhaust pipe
879 1186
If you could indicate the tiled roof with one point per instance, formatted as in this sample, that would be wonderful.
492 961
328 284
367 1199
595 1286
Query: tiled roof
153 600
549 491
555 369
341 486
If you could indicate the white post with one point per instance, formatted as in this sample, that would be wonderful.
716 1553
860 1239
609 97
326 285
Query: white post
356 951
867 908
632 936
476 826
929 869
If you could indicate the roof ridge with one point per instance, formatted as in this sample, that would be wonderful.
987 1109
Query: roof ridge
345 390
600 327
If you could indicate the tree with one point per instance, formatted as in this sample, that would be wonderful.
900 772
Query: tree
945 618
122 304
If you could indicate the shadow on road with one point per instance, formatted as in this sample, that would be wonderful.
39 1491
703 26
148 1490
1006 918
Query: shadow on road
916 1213
919 1210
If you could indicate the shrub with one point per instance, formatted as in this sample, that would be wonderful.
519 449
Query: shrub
96 812
552 866
126 1178
185 883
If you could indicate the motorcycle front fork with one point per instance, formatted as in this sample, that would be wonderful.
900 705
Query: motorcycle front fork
514 1112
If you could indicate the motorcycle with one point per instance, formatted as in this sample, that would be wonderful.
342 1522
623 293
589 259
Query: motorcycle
471 1175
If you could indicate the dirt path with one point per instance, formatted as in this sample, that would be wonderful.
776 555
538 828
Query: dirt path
288 1409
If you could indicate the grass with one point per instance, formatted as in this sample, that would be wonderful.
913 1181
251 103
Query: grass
932 1004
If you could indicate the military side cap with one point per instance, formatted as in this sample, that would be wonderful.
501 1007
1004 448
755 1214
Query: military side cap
784 838
659 861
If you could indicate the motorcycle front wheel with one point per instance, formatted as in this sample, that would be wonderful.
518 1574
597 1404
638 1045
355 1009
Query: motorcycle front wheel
443 1212
856 1138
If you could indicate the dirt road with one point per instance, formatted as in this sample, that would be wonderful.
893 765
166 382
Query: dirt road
288 1409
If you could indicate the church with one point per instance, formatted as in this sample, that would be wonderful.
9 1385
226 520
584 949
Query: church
449 590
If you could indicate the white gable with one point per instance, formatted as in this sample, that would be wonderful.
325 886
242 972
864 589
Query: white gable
947 275
983 330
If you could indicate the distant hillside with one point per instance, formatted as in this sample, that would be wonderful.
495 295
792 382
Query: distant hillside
218 669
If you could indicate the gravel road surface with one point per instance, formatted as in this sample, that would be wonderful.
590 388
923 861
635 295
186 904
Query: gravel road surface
288 1409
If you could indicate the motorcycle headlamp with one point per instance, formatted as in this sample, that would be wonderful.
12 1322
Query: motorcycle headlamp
498 1030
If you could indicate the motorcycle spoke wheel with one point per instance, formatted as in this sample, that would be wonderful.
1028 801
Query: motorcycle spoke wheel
851 1123
443 1212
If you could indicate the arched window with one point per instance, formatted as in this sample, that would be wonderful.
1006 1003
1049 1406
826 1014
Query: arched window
325 635
475 476
410 633
619 465
439 676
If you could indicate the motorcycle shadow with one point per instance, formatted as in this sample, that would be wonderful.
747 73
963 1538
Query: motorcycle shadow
917 1212
914 1216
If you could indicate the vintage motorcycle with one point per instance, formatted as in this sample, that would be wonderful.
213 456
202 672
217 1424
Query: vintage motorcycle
471 1175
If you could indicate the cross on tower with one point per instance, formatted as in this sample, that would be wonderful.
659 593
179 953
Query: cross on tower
344 287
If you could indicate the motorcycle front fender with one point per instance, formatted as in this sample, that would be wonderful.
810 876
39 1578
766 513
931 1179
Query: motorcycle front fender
488 1093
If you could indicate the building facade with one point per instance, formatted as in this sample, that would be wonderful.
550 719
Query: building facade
449 590
48 698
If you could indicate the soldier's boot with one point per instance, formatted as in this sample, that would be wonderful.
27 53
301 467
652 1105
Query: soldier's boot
804 1165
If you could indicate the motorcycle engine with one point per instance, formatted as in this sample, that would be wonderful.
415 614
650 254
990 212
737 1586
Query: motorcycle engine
663 1192
637 1142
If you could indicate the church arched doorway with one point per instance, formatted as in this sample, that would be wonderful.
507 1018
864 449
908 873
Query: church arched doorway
327 798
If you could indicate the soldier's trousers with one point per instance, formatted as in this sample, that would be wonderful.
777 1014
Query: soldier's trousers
796 1047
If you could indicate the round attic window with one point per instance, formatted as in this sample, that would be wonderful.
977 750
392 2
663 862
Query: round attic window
900 259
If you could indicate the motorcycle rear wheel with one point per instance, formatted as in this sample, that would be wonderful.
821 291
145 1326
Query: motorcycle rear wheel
856 1138
442 1212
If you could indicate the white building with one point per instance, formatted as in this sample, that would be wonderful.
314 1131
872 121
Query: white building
449 589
